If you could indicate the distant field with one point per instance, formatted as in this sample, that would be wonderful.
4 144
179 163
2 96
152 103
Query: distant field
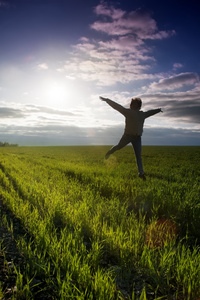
94 230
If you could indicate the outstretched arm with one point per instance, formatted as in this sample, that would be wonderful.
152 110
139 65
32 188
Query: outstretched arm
152 112
103 99
114 105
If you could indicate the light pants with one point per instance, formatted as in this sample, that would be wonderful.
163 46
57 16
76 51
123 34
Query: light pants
137 147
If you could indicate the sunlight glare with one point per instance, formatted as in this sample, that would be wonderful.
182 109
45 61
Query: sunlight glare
56 93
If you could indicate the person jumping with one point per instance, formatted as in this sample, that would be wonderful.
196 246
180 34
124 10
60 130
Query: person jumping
134 122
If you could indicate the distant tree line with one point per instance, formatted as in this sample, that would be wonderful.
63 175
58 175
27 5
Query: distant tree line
6 144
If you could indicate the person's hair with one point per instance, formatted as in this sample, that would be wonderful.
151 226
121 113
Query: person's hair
136 102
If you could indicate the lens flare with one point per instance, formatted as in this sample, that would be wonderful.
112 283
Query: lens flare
160 233
112 162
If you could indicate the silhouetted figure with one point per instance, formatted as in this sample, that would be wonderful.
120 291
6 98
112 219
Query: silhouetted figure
134 122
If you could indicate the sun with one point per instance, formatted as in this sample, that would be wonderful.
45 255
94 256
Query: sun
56 93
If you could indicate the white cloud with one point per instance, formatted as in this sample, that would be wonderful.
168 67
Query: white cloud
70 77
42 66
122 55
177 66
105 10
137 23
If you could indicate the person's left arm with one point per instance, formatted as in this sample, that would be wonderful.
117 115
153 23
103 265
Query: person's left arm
152 112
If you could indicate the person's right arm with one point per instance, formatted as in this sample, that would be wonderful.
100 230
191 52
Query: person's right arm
114 105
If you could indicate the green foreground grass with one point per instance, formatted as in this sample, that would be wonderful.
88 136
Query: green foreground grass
92 223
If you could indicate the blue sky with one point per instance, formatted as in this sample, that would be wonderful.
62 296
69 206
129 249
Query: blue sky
57 57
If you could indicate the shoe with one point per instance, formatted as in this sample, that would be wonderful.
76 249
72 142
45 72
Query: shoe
107 156
142 176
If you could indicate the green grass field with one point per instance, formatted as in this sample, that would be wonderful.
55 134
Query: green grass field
94 230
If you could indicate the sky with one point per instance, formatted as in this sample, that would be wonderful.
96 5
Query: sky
58 56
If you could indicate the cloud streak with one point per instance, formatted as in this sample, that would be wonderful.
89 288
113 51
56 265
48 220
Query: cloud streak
176 82
72 135
16 111
179 107
40 125
8 112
